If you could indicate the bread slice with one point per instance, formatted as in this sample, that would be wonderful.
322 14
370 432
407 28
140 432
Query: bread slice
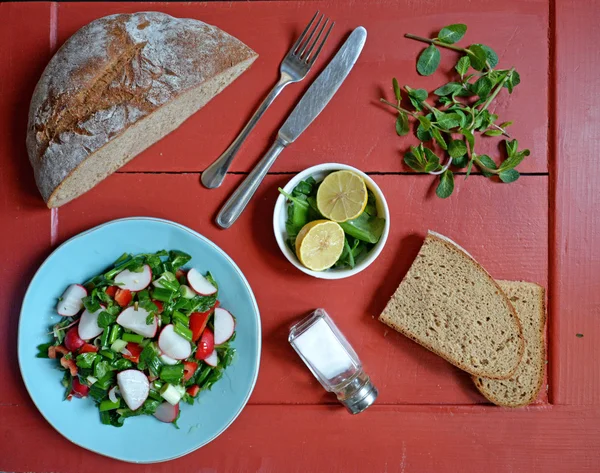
524 385
117 86
449 304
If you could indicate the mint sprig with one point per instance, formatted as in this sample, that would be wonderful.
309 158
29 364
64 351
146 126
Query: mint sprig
460 114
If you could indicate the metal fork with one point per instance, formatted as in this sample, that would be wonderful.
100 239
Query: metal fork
294 68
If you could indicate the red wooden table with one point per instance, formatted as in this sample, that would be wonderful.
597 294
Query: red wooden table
543 228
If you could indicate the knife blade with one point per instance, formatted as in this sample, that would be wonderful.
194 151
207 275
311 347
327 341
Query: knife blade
324 87
308 108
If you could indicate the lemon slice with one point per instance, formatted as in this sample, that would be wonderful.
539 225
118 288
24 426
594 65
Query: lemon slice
320 244
342 196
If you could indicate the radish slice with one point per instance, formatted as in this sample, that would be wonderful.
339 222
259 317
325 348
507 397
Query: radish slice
199 283
166 412
112 394
167 360
212 359
88 324
134 281
224 326
134 387
135 320
173 345
71 301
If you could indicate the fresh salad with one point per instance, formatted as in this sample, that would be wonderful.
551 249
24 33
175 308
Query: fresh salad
142 337
332 223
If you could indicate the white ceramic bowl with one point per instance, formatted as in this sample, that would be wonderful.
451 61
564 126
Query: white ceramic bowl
318 173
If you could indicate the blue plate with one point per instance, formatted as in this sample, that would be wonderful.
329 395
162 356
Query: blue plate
142 439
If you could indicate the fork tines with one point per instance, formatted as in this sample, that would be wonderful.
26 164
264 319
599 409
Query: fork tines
303 49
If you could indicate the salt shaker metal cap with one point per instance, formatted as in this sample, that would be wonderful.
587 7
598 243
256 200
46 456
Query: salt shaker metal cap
333 361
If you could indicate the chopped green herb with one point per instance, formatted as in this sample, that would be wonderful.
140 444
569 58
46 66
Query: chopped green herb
172 374
86 360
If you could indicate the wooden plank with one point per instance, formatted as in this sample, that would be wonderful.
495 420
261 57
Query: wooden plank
575 303
514 247
326 438
25 218
354 128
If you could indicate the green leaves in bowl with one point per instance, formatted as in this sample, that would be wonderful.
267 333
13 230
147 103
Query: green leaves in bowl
361 233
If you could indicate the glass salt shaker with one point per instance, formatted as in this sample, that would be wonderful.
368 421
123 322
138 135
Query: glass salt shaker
333 361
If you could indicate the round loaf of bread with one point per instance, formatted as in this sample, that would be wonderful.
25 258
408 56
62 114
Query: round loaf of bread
117 86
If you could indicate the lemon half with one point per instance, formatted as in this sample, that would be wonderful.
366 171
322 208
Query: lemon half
320 244
342 196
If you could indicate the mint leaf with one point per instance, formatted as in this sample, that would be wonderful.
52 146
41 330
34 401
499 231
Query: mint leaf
448 121
402 126
423 134
482 87
462 66
496 76
490 54
511 147
419 94
460 162
425 123
397 92
416 96
457 148
514 160
438 137
429 60
469 169
488 163
469 137
478 57
433 161
448 89
452 33
413 162
446 185
513 80
493 133
483 120
463 117
510 175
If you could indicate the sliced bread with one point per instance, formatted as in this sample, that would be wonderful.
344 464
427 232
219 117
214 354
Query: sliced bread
524 385
449 304
117 86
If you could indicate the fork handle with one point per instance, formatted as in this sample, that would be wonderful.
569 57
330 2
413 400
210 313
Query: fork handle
238 201
214 174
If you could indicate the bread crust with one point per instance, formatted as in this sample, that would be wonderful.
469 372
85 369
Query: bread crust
541 362
112 73
480 373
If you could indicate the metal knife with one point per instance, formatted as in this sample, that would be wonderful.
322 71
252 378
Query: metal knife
312 103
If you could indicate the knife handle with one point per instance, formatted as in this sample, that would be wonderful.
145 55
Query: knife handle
238 201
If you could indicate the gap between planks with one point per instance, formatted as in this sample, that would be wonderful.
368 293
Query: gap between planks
53 39
552 342
289 173
378 406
